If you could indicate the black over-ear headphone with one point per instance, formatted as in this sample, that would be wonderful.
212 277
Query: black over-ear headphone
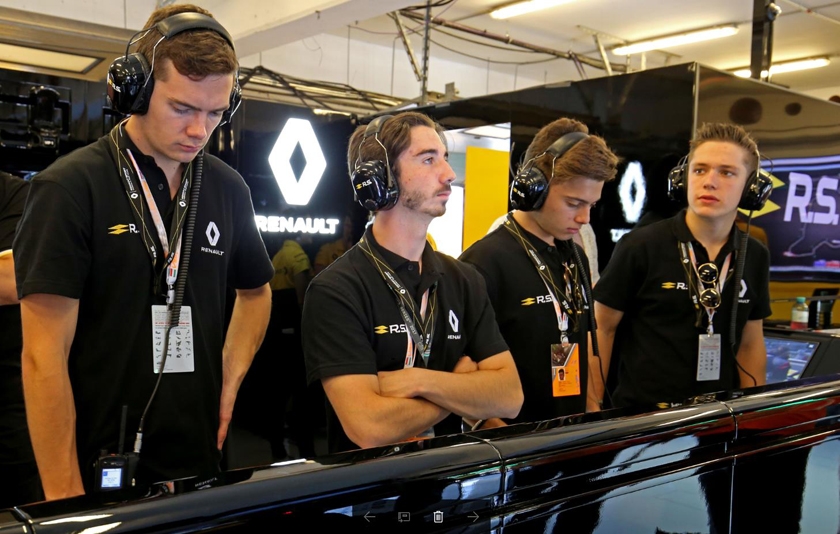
530 186
374 186
130 80
756 191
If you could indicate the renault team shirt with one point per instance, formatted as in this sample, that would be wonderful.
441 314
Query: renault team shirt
656 341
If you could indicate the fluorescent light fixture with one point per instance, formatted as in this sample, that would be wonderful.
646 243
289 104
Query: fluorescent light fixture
521 8
490 130
669 41
319 111
788 66
35 57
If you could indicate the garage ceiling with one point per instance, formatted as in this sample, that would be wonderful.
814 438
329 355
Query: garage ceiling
806 28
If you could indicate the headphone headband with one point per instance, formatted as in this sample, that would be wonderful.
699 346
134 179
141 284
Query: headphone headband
529 188
374 186
130 78
757 189
171 26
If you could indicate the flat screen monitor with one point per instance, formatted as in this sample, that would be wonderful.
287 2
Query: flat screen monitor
788 358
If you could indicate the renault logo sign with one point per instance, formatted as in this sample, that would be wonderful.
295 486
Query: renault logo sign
297 191
631 191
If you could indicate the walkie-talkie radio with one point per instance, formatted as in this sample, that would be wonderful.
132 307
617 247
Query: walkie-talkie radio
116 471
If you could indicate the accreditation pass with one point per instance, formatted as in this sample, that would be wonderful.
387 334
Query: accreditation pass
180 357
708 357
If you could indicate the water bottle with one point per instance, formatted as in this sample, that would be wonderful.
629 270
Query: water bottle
799 315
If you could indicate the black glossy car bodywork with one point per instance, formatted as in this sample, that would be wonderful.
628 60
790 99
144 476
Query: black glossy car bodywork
764 461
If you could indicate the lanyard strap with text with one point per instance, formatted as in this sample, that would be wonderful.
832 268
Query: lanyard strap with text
418 337
131 173
542 268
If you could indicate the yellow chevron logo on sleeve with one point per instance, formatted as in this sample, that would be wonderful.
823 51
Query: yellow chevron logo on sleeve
668 285
381 329
118 229
529 301
358 186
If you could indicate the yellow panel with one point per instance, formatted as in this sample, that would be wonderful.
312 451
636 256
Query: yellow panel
485 191
783 290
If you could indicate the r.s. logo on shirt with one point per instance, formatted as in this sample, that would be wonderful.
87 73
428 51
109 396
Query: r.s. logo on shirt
118 229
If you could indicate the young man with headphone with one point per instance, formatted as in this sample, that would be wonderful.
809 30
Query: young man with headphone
664 305
403 338
102 254
537 277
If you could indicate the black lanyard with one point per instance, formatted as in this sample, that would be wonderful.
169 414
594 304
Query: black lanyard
421 335
570 306
137 189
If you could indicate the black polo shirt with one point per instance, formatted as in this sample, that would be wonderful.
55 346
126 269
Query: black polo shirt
656 341
78 238
527 317
14 436
352 324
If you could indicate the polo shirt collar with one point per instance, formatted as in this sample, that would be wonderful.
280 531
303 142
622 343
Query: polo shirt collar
684 235
432 267
539 245
147 164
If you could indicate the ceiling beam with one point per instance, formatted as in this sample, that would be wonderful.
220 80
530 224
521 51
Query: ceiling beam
257 25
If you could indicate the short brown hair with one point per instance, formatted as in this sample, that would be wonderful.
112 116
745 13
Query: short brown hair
590 158
395 136
194 53
727 133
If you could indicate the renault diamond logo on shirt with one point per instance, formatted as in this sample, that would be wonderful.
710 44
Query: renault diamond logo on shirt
743 292
118 229
453 322
213 234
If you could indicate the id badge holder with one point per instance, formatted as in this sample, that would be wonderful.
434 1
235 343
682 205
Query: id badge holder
565 369
180 357
708 357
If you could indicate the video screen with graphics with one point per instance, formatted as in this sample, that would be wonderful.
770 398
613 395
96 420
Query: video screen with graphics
787 358
802 229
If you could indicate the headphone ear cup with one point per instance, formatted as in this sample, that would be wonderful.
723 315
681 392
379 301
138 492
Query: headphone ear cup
235 101
676 183
756 191
129 84
529 189
371 186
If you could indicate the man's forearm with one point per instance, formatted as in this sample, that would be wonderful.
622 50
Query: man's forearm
8 291
752 355
244 336
599 367
246 331
752 360
51 416
483 394
390 420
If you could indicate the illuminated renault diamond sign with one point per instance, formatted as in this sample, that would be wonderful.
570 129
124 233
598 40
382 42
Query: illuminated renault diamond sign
297 191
